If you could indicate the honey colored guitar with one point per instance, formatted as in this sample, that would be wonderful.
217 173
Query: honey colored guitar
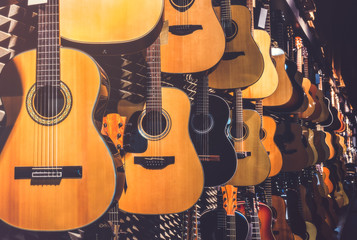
193 30
111 26
63 177
281 228
163 173
253 160
242 63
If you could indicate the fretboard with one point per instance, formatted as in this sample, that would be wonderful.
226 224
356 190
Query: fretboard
299 60
268 192
255 225
259 108
267 22
250 5
48 45
153 60
231 230
306 67
202 101
226 15
239 118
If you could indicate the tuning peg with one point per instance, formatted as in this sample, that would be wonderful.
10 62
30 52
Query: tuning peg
118 135
105 125
120 125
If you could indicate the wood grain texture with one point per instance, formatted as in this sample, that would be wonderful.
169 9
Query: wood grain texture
275 157
284 91
176 187
311 105
281 228
193 52
74 142
246 69
253 169
268 81
111 21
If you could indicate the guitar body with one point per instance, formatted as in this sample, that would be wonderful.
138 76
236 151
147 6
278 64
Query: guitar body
213 227
186 51
253 169
242 63
63 203
281 228
327 180
184 171
284 91
265 216
267 138
311 151
109 30
318 108
329 143
209 138
321 147
324 115
268 82
296 220
288 137
311 230
311 106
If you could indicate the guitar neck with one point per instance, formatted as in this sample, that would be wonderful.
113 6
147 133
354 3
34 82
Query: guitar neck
250 5
268 192
259 107
267 23
202 99
253 210
226 15
153 60
48 45
239 119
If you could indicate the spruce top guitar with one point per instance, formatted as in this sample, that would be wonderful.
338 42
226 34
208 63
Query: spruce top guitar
156 154
268 81
242 63
114 27
193 30
209 117
253 160
57 125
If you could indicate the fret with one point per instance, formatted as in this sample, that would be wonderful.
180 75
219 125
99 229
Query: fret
251 9
267 23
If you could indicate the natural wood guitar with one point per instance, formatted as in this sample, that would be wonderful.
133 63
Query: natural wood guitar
110 27
268 81
193 29
281 228
253 160
156 155
64 176
242 63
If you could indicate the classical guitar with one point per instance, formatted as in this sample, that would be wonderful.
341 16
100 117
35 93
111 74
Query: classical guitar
109 29
244 131
225 222
193 29
56 123
209 117
156 156
267 133
259 214
268 82
242 63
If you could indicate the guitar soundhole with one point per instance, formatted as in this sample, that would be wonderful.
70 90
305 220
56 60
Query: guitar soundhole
49 105
230 30
243 136
202 123
49 101
182 5
262 134
154 123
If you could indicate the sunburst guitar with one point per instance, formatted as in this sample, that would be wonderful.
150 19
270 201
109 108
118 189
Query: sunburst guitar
242 63
193 28
56 172
109 29
163 172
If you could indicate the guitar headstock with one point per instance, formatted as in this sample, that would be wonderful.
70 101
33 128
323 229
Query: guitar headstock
113 127
229 199
298 42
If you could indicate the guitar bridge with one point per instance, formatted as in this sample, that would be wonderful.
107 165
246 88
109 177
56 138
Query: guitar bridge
241 155
210 158
182 30
154 163
58 172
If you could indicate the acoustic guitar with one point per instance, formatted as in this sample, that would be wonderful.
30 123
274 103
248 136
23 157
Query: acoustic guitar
281 228
267 133
242 63
193 28
225 222
268 82
114 27
156 156
260 215
253 160
56 123
208 121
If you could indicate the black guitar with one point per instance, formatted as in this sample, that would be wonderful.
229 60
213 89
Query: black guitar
209 117
225 222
